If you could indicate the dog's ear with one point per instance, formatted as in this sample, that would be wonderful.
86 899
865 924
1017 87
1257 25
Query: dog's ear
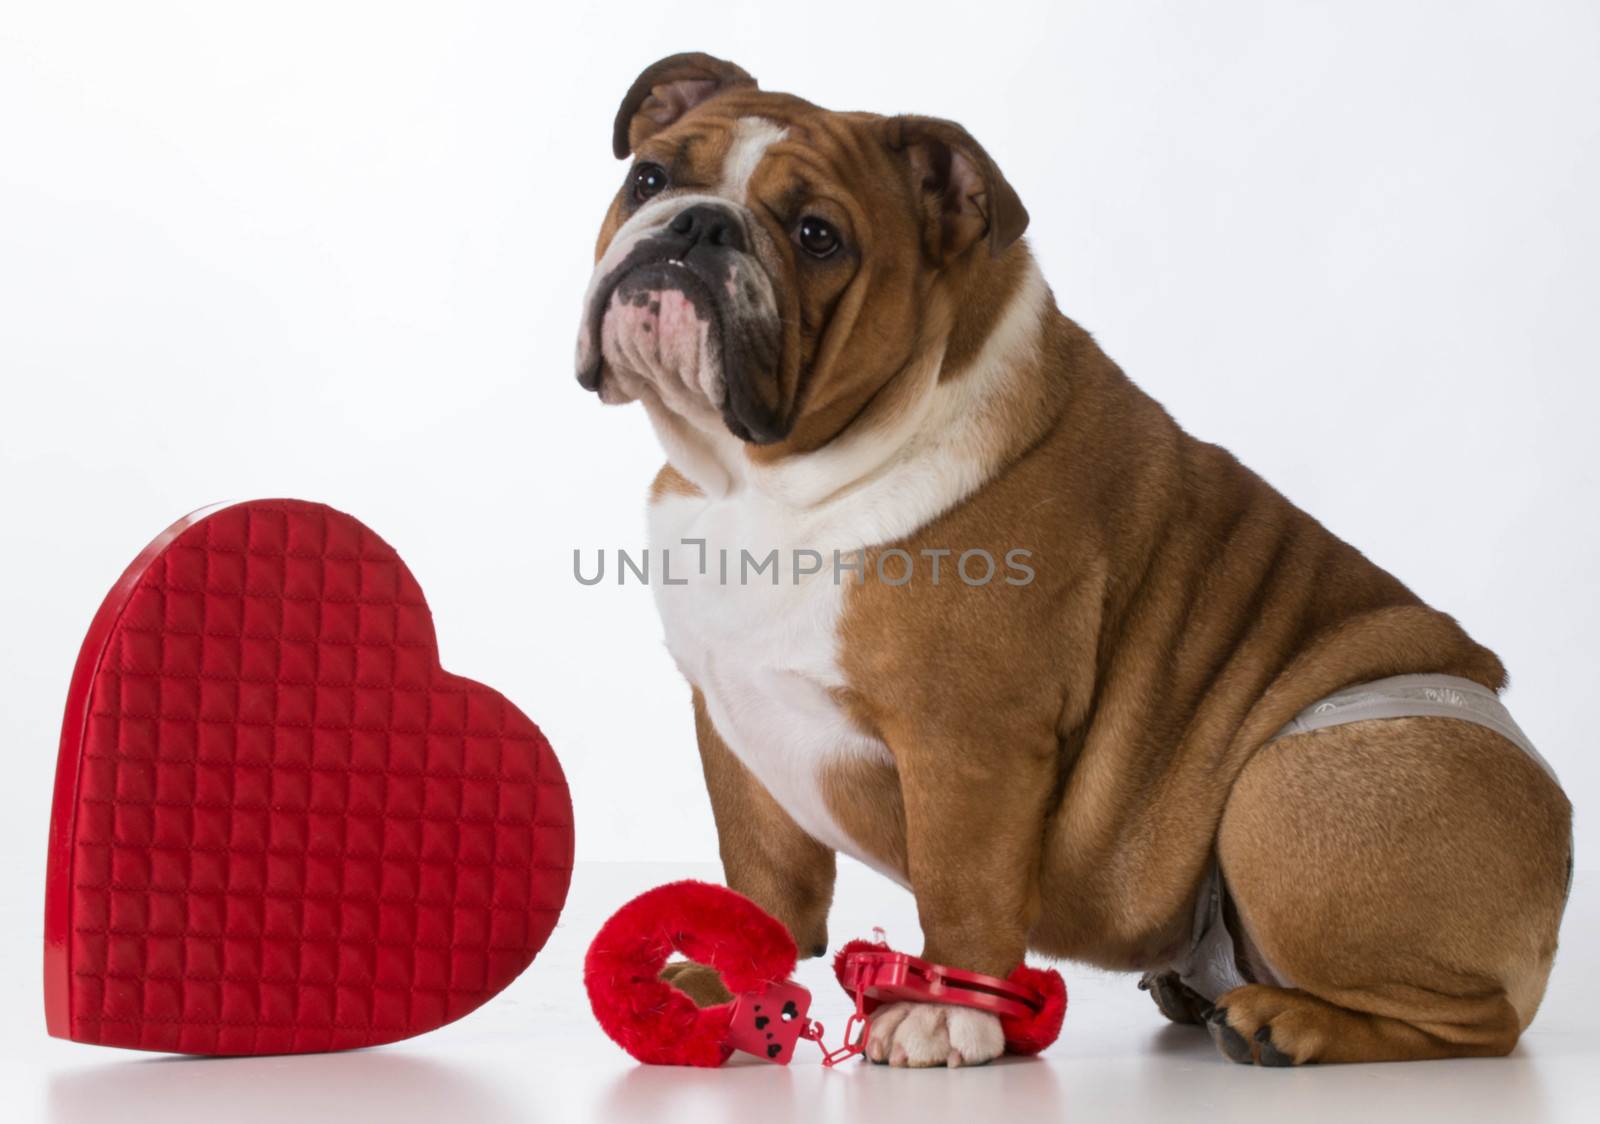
963 195
666 91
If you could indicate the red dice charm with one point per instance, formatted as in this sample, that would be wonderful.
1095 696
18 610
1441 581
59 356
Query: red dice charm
769 1023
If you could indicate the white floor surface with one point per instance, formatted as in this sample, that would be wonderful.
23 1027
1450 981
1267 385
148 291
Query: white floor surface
536 1054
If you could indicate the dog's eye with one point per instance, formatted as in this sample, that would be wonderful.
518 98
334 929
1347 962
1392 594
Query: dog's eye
816 237
648 180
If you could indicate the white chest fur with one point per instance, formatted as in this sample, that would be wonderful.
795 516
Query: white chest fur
762 647
764 653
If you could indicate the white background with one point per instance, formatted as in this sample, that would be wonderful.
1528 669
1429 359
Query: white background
336 252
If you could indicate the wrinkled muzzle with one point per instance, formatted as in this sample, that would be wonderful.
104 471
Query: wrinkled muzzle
681 307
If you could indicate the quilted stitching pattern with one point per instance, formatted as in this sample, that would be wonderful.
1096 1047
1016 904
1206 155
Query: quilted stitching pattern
292 831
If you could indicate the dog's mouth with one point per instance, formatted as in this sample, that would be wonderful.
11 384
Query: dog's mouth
640 284
697 330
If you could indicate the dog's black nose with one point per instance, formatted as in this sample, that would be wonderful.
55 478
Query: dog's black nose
708 223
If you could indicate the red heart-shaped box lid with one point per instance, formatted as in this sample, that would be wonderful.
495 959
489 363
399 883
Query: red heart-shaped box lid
279 826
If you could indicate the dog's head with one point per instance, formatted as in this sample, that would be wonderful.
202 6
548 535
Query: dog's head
768 267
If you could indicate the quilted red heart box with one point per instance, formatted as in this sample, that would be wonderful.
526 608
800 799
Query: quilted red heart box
279 826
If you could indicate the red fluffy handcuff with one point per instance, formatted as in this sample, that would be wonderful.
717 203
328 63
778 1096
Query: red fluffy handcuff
755 955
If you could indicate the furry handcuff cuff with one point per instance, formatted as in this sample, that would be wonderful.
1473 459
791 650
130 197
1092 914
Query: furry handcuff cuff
754 955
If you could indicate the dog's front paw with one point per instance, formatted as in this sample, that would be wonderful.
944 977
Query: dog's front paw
928 1034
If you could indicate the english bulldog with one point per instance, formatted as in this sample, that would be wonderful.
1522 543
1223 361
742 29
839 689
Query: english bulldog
953 596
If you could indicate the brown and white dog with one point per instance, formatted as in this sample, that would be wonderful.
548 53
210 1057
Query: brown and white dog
844 345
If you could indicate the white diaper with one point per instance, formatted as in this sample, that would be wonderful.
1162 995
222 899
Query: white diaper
1211 965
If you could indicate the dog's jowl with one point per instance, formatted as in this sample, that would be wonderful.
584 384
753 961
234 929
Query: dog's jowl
1204 740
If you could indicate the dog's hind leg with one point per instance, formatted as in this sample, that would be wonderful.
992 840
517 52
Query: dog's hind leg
1405 879
1179 1003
